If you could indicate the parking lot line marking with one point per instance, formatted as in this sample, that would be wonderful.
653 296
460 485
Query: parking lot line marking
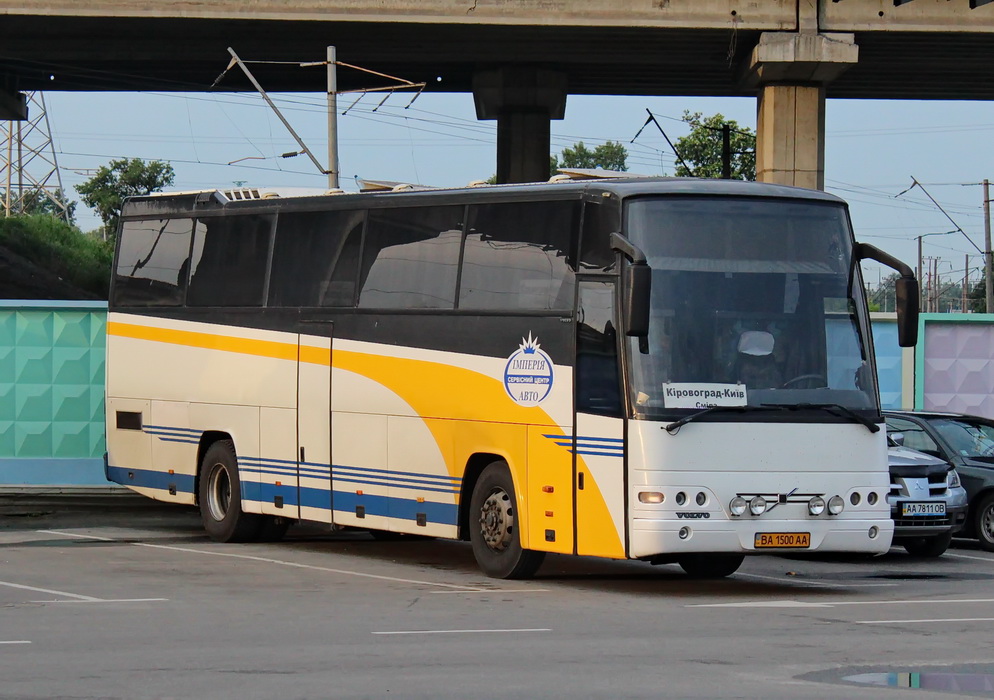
495 590
536 629
267 560
106 600
989 560
909 622
832 603
16 641
817 583
87 598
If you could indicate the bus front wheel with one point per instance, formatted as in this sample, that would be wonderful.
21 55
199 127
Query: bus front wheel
493 527
220 497
710 565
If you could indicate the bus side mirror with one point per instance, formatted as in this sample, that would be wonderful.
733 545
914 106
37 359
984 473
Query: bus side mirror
636 295
906 291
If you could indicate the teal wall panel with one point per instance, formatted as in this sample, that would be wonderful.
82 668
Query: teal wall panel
52 356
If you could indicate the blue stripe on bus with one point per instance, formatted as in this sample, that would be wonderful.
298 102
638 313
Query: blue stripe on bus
149 479
345 501
392 484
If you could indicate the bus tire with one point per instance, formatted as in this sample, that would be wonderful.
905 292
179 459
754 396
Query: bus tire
221 498
710 565
493 527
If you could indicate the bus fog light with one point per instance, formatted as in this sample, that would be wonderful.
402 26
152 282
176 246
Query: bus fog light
737 506
816 506
757 506
871 498
681 498
854 498
701 498
836 505
684 533
650 497
873 532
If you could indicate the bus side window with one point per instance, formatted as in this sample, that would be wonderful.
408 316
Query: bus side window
316 258
229 260
520 256
597 380
410 258
600 219
153 262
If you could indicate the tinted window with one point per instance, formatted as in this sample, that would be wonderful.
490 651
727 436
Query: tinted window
596 351
519 256
230 255
600 220
410 258
152 262
316 258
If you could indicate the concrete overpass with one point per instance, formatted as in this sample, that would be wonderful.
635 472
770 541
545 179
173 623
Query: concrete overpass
521 58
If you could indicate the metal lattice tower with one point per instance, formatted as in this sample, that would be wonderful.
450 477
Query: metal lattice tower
29 171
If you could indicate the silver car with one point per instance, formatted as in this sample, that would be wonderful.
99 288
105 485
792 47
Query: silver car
927 501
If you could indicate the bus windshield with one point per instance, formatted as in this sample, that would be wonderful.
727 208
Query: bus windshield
754 301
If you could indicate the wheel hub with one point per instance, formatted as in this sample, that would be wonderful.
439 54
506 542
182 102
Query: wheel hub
219 492
497 520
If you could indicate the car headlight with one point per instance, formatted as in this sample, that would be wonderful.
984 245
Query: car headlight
952 479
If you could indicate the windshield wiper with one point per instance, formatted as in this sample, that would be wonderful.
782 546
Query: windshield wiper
833 408
676 425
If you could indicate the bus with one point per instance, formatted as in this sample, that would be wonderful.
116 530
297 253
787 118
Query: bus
661 369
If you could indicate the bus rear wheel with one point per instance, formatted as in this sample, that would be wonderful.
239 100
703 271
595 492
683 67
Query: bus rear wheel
493 527
710 565
220 497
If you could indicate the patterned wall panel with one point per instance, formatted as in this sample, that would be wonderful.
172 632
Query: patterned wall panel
890 363
51 384
957 366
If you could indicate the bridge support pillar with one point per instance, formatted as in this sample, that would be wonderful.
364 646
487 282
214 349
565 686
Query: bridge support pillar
523 101
13 105
790 72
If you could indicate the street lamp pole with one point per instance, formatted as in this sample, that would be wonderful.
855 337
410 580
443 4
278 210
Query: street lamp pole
987 248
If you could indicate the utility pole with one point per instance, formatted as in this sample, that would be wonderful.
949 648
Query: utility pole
987 248
726 152
332 120
966 281
29 170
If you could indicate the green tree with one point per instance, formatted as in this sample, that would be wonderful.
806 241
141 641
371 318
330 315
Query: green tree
610 155
702 148
106 191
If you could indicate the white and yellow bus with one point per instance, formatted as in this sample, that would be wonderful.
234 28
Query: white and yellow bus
669 370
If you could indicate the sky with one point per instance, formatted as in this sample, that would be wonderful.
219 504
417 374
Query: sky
875 151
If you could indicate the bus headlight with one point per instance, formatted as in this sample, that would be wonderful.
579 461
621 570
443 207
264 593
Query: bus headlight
816 506
836 505
737 506
757 506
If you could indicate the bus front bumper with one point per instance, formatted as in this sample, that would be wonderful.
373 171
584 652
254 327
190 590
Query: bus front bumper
651 537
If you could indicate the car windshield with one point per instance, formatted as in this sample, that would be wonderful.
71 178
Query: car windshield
754 301
967 438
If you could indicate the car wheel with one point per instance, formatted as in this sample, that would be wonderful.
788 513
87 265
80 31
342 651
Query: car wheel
983 522
710 565
928 546
493 527
221 497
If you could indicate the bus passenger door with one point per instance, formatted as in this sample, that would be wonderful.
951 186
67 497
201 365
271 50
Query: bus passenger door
314 422
598 435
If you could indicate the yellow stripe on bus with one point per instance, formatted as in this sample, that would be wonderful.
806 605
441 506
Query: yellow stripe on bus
212 341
